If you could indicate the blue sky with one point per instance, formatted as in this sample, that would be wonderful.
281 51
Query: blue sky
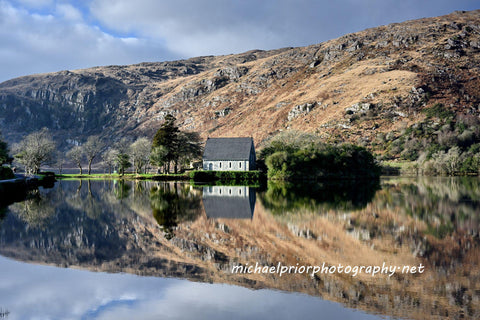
51 35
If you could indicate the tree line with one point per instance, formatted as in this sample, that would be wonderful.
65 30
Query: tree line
170 149
295 155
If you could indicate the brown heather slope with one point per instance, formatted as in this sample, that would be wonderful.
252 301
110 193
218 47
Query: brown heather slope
388 74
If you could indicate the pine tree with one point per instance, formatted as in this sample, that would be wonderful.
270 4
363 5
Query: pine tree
167 136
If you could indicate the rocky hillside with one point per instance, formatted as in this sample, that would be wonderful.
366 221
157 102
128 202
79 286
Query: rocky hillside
352 88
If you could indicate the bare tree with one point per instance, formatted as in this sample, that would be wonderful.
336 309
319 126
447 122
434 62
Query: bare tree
109 158
92 149
140 153
60 161
35 150
76 155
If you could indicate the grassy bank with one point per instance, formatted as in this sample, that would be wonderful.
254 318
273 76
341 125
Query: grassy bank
129 176
409 168
395 168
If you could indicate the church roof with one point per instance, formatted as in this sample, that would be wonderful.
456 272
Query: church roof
228 149
229 202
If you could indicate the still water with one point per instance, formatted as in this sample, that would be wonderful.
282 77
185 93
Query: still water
108 249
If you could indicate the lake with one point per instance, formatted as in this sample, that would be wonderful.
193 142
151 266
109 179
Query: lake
399 247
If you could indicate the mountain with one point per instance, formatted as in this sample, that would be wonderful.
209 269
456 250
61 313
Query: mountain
353 88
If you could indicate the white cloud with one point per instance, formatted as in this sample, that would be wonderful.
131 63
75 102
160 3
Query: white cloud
51 35
193 27
35 42
68 12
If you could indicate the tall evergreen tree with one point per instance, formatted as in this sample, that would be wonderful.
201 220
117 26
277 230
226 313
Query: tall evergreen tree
167 136
123 155
189 147
177 146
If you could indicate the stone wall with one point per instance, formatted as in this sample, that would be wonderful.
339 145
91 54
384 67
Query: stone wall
226 165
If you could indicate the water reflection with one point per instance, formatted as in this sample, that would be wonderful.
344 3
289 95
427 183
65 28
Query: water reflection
162 230
173 204
281 197
445 204
230 202
36 208
76 294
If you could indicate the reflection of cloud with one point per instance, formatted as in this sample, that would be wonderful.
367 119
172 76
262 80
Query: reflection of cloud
41 292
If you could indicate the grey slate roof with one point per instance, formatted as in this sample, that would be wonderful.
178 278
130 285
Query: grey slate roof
227 149
229 207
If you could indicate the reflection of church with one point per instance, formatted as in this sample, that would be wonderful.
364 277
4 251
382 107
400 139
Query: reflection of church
230 202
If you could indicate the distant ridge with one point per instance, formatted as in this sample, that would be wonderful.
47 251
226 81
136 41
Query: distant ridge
348 89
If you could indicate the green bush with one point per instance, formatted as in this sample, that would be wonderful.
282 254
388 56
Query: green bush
6 173
318 160
202 176
438 110
240 177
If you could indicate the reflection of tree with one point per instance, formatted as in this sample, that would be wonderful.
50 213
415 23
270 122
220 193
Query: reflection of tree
444 204
132 196
173 204
86 201
70 224
122 189
282 197
36 209
139 189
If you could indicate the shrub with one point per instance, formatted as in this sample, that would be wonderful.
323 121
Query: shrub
317 160
438 110
202 176
239 177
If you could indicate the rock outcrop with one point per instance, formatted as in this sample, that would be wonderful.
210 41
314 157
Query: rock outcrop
261 92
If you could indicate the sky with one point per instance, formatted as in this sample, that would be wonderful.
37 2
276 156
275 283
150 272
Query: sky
38 36
29 291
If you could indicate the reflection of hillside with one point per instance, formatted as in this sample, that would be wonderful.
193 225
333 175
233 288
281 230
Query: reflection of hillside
439 226
281 197
120 240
